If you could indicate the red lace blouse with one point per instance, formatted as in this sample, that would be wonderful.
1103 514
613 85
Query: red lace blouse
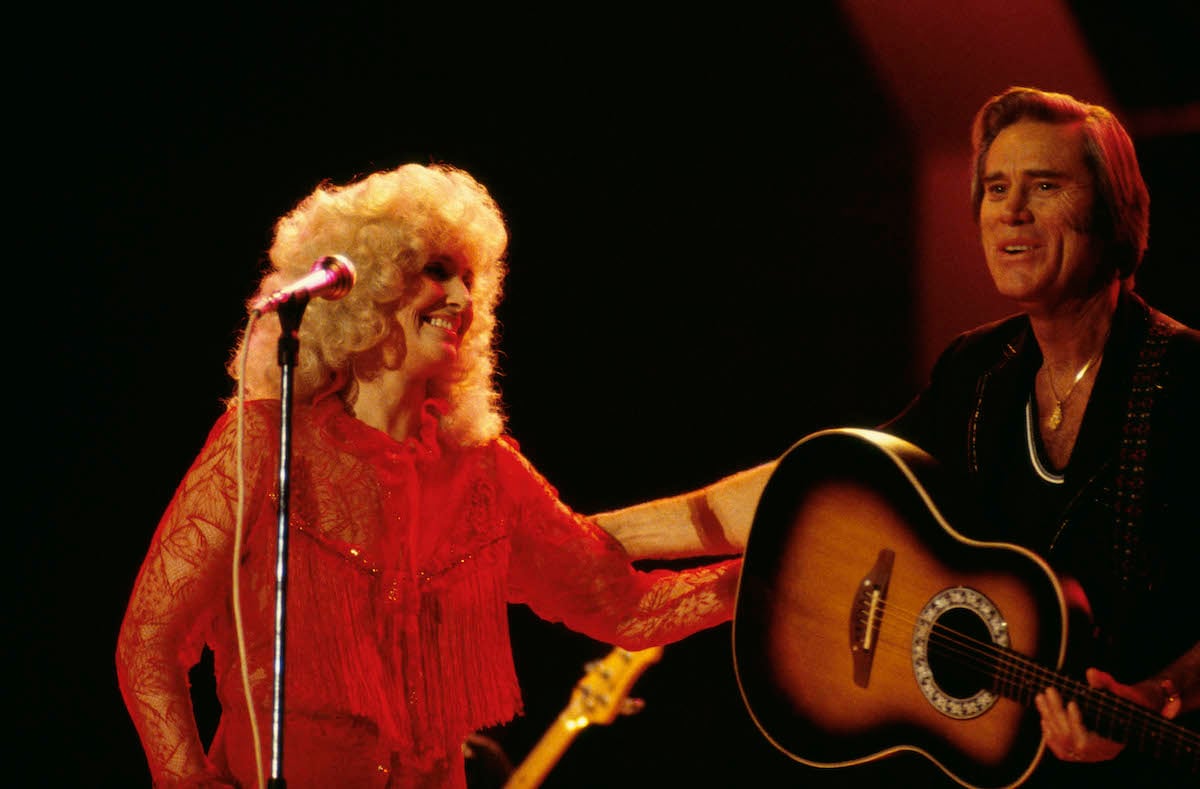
403 556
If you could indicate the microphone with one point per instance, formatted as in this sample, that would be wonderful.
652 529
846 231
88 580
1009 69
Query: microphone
332 277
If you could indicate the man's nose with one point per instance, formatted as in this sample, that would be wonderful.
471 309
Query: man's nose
1016 206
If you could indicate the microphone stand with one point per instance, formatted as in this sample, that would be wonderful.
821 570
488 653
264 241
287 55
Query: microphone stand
290 314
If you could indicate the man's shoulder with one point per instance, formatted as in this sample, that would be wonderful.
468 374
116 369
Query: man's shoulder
1002 330
1180 334
1182 342
988 343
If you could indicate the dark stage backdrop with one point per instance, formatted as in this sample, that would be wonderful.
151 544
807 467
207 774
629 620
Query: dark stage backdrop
711 256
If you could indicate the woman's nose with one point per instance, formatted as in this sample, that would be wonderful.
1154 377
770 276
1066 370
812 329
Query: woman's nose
457 292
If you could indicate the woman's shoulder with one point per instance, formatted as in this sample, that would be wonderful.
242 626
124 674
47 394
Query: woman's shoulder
503 454
256 418
513 468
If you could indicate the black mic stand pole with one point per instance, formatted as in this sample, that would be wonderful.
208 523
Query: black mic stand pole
290 314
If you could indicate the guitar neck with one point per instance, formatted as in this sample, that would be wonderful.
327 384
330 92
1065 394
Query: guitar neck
598 698
546 753
1111 716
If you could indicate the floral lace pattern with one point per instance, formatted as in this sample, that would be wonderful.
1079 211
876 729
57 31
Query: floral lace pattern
402 559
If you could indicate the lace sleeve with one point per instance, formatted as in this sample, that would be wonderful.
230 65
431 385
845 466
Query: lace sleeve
184 579
569 570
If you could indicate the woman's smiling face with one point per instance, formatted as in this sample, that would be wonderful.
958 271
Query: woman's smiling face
434 320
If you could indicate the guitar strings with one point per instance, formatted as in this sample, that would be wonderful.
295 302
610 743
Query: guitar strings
1025 677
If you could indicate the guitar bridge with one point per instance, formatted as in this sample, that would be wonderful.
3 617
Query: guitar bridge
866 615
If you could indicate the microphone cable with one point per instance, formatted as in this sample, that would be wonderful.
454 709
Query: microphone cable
238 532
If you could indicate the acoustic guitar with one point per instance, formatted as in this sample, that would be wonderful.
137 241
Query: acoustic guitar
865 625
598 698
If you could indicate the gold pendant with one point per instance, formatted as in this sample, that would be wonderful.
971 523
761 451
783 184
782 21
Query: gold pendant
1056 416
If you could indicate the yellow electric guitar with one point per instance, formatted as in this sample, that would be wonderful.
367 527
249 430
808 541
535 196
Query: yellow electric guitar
598 698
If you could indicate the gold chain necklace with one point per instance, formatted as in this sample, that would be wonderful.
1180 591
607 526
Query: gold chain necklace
1056 416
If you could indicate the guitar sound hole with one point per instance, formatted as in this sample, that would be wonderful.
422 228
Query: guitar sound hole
954 653
955 647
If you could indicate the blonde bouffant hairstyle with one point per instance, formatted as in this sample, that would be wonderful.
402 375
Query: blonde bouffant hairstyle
390 224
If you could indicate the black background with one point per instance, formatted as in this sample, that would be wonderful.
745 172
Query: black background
711 253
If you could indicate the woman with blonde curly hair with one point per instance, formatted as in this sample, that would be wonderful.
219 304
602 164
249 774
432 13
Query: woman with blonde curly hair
414 520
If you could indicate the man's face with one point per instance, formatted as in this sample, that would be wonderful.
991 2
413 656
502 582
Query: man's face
1036 214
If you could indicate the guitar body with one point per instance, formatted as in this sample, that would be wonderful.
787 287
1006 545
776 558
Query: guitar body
852 578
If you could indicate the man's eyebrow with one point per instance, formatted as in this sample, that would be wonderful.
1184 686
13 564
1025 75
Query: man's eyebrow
1042 173
1046 173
